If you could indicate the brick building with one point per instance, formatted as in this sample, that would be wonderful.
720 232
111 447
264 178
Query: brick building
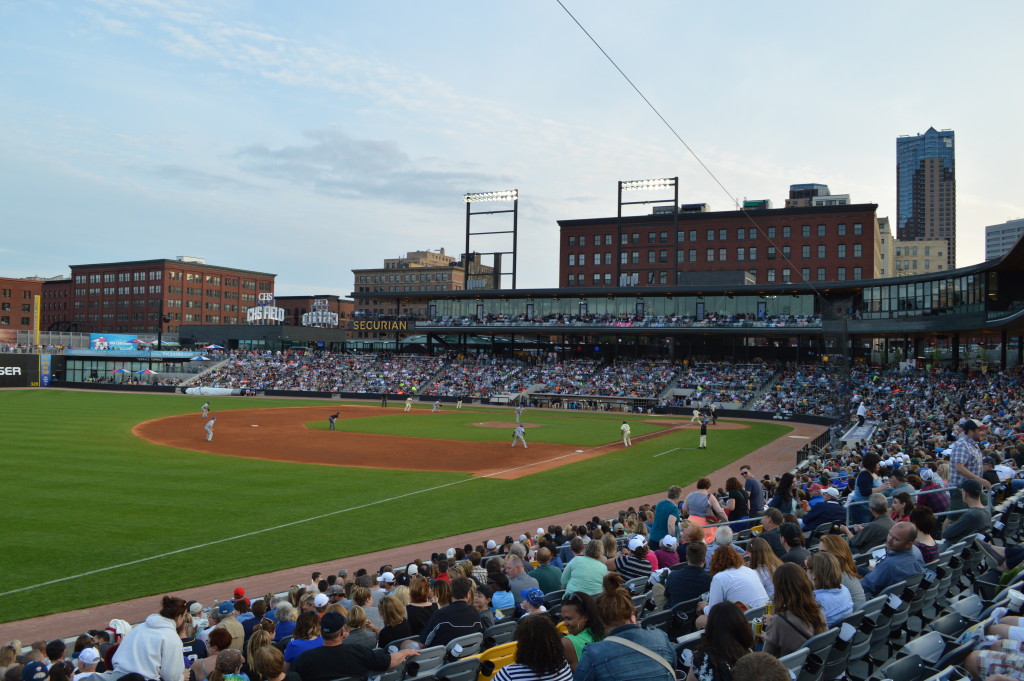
17 298
56 312
131 297
813 243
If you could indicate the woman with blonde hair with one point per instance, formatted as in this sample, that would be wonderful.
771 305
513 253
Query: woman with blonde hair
396 623
850 578
361 630
797 615
259 639
267 664
402 594
764 562
834 598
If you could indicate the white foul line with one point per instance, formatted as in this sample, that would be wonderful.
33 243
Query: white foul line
304 520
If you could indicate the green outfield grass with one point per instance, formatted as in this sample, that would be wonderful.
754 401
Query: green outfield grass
82 494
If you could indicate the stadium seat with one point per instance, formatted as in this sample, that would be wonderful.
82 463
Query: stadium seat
460 670
903 669
470 644
502 632
795 661
818 648
422 666
835 663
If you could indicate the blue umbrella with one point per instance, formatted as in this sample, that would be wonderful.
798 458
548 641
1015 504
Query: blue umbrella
199 358
213 346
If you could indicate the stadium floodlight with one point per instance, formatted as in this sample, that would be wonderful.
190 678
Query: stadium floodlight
636 185
505 195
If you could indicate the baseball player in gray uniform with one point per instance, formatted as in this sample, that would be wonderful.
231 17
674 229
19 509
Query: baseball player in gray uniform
517 434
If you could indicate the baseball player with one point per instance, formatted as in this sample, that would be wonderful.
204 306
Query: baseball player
458 405
437 407
209 429
206 409
703 434
519 411
696 416
517 434
408 404
625 434
332 418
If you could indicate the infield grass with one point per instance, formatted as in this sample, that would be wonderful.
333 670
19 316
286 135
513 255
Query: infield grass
82 494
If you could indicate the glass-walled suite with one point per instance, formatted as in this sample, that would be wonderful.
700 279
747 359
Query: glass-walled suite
949 296
122 370
751 307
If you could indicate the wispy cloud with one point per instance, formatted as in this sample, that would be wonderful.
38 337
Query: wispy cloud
197 179
335 164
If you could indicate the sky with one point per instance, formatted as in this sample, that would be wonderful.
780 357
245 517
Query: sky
309 138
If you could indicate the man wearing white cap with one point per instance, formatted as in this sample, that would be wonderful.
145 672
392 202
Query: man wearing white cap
87 661
828 510
385 585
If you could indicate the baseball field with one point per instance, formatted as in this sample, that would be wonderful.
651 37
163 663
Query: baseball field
111 496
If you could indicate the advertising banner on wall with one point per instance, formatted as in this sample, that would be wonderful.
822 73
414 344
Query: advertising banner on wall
45 371
115 341
19 371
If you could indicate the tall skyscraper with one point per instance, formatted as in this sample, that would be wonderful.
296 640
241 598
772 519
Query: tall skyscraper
926 189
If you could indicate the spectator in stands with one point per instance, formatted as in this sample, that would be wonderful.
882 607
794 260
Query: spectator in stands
975 519
828 510
759 667
454 620
285 614
863 538
631 562
333 660
306 637
701 505
865 484
755 493
608 660
924 520
518 580
396 622
850 577
420 607
219 640
786 498
583 623
764 562
899 563
797 615
731 580
737 506
691 580
88 660
901 506
666 516
835 600
267 663
153 648
501 592
667 553
726 638
226 612
771 521
938 502
585 573
539 655
483 605
793 542
361 631
56 650
228 667
965 460
62 670
549 578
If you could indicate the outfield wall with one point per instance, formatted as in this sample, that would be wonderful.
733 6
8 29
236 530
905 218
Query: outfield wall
19 370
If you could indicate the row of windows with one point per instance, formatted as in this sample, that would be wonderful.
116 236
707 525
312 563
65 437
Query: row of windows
401 278
8 293
25 307
5 320
742 254
784 276
719 234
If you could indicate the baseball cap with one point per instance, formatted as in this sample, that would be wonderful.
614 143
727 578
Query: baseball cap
490 544
814 487
533 596
320 601
119 627
540 530
974 424
196 608
89 656
485 590
790 532
636 542
926 474
988 461
450 553
389 577
831 491
668 541
335 589
226 608
971 486
239 592
332 622
34 671
522 537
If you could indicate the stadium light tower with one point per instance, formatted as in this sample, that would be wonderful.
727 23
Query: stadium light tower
647 185
503 196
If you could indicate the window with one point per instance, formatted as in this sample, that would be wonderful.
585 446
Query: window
650 277
741 254
821 251
651 255
752 233
858 273
572 279
771 252
771 232
662 256
841 229
858 229
786 276
821 230
840 274
680 236
572 242
805 251
597 258
597 279
711 235
723 235
805 274
608 258
858 250
786 252
805 231
722 256
624 258
753 253
624 239
692 255
709 255
841 251
635 237
771 275
572 260
821 274
740 233
652 237
635 257
786 231
693 235
663 237
607 278
607 239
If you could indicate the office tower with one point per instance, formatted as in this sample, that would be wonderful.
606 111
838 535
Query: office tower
926 189
1001 238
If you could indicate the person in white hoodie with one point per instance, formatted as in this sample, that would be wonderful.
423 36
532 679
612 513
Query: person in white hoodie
153 648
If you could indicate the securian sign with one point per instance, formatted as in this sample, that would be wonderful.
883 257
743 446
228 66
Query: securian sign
380 326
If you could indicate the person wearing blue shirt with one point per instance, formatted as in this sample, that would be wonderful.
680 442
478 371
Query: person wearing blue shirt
827 511
899 563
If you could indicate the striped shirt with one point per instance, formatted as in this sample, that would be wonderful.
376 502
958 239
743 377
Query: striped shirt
631 567
520 672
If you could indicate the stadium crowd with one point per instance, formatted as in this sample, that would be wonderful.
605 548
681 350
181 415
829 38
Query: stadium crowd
925 460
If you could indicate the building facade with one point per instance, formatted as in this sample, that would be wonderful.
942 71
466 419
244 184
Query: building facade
999 239
17 306
133 297
804 195
297 309
808 244
926 189
923 256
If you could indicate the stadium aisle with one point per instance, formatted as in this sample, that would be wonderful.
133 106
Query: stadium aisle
774 458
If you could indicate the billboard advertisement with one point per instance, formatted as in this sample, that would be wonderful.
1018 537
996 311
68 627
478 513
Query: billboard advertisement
45 371
116 341
19 371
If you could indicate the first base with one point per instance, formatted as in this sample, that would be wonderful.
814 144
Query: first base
579 451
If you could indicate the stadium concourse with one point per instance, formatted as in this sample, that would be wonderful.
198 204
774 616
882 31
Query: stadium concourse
775 456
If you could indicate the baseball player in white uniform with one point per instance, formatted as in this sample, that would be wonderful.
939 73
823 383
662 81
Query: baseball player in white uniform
437 407
625 434
408 404
517 434
206 409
